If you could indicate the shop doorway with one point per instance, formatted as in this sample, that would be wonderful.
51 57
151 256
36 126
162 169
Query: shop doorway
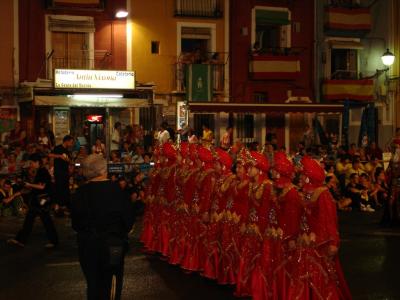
88 125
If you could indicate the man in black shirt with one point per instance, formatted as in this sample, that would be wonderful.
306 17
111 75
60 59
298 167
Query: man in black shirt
62 158
38 205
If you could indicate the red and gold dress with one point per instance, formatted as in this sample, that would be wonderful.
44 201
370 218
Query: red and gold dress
316 269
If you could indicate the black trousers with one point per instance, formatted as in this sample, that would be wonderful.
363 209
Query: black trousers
48 224
102 280
61 191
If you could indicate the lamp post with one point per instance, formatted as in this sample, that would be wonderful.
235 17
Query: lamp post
387 59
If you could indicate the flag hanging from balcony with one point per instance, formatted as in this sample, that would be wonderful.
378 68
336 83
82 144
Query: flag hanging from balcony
199 82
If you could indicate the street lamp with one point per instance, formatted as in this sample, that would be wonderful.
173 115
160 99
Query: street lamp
121 14
388 58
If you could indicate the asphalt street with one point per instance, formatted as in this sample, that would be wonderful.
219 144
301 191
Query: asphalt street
369 254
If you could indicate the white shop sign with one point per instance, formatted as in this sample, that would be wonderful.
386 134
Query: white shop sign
93 79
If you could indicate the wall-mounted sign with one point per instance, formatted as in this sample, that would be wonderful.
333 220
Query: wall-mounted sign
94 118
93 79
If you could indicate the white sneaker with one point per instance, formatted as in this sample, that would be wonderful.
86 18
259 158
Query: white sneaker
362 207
369 208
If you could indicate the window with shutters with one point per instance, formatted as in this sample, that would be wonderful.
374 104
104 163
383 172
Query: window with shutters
69 42
198 8
271 30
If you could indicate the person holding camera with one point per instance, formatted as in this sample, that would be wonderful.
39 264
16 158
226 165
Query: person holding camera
38 200
102 215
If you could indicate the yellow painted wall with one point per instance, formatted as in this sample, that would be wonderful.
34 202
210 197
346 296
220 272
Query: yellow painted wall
153 20
6 43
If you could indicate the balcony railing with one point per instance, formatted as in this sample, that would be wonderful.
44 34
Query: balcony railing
198 8
102 60
217 68
275 64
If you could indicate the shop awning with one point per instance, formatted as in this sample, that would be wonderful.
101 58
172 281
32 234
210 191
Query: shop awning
346 45
41 100
209 107
265 16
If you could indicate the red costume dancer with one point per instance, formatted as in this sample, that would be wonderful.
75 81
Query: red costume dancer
200 209
289 214
179 214
317 273
212 240
228 224
168 186
148 235
260 189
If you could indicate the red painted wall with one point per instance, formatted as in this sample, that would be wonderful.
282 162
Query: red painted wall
32 45
242 86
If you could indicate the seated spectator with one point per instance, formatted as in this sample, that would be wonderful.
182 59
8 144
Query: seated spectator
374 151
343 203
356 168
137 157
12 166
99 148
43 138
126 153
380 193
10 202
357 193
371 166
365 182
115 157
82 154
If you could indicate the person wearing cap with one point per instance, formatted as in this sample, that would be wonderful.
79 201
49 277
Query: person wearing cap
102 215
39 202
249 279
317 272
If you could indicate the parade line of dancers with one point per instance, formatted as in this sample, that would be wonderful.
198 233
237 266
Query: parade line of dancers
245 223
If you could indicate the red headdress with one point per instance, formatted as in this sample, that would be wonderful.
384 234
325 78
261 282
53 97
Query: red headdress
206 156
259 161
169 151
224 158
284 167
313 170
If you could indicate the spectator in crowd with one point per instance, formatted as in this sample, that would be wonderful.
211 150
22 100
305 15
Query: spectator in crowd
184 132
17 136
9 204
43 138
366 183
208 135
308 136
356 168
343 203
126 153
226 140
358 194
380 193
192 137
374 152
99 148
115 157
116 137
164 135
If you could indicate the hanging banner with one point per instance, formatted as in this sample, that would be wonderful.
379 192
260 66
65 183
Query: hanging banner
199 82
8 117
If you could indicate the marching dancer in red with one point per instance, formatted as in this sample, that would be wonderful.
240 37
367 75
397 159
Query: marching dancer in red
317 273
290 211
167 196
260 191
148 236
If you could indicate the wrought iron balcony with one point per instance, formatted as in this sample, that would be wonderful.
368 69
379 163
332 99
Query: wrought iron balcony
101 60
216 66
198 8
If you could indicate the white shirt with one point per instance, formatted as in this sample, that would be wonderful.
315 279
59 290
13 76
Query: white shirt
115 138
163 137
